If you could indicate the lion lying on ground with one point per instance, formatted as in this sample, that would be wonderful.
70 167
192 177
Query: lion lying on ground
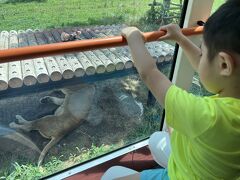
72 110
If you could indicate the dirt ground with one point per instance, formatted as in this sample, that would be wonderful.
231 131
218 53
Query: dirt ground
116 112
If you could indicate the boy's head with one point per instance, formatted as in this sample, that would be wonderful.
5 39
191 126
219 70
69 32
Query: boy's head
221 47
221 31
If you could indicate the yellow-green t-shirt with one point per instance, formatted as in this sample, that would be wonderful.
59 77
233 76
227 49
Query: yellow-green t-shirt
206 138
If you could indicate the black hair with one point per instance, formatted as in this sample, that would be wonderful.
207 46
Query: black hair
222 29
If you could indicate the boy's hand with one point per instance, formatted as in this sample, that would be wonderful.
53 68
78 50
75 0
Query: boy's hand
193 52
173 32
132 34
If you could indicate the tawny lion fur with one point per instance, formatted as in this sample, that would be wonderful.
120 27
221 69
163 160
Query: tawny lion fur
72 110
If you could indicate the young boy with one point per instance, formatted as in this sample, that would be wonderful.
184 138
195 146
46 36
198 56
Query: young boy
205 142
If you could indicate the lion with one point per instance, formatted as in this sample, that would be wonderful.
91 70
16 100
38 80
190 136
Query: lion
72 111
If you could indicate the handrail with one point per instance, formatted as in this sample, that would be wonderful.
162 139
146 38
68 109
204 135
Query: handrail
22 53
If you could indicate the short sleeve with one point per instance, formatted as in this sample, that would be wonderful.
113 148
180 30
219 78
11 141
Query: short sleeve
187 113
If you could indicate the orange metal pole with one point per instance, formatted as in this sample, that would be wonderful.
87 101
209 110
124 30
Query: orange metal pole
16 54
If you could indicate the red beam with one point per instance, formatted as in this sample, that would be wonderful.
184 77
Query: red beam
16 54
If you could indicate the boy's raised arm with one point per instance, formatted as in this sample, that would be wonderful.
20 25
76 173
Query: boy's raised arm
156 81
192 52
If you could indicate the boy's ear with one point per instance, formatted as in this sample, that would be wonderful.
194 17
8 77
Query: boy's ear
226 64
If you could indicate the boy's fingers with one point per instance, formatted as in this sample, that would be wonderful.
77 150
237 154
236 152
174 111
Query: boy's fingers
123 31
163 37
165 29
128 30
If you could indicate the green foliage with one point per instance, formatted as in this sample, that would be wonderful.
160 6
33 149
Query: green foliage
154 15
30 171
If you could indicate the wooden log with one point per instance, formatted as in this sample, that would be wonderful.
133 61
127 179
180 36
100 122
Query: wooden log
166 50
98 64
53 69
57 34
120 51
87 65
67 71
31 37
22 38
124 50
105 60
4 35
159 51
15 79
118 63
50 62
40 68
75 64
39 38
37 30
170 51
71 58
161 55
28 70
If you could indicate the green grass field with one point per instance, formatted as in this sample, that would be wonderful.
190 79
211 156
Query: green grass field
58 13
43 14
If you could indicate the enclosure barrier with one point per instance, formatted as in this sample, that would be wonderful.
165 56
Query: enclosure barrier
17 54
36 46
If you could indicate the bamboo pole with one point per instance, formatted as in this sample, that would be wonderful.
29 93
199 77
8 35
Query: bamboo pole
22 53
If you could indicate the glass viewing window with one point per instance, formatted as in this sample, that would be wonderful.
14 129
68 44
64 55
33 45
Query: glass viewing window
62 111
